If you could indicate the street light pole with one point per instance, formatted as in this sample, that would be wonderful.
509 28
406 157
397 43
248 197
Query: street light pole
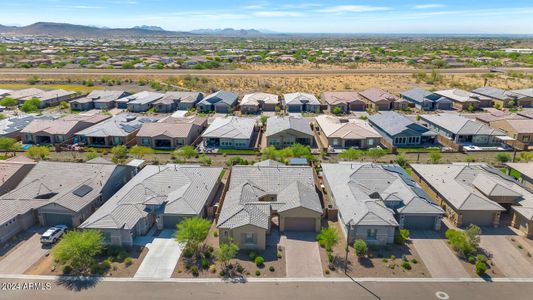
347 248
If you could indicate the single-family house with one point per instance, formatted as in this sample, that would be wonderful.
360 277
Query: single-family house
373 200
24 93
231 132
461 130
463 100
301 102
519 129
55 193
171 133
258 193
504 98
157 195
340 133
50 98
118 130
400 131
426 100
256 102
346 101
286 131
12 172
173 101
526 96
97 99
492 115
142 101
380 100
525 172
11 127
220 102
58 131
475 193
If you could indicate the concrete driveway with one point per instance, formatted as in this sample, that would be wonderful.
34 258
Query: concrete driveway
439 259
24 256
162 257
302 256
506 256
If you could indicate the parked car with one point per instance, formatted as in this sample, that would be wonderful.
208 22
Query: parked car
53 234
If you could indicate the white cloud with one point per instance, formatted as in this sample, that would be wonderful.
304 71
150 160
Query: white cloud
352 9
277 13
428 6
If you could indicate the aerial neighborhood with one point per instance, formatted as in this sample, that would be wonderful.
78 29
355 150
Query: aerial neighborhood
266 185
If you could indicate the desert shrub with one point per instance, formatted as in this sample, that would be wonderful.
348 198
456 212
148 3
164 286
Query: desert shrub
480 268
406 265
106 264
240 268
257 273
67 270
213 269
252 255
401 236
414 261
194 270
360 247
271 269
188 252
205 263
128 261
259 260
122 255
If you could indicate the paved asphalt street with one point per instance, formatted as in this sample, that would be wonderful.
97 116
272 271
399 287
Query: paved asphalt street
272 290
310 72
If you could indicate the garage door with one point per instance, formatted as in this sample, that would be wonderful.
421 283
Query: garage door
299 224
57 219
479 219
419 222
170 222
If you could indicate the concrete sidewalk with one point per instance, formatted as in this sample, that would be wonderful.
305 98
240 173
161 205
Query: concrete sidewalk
163 255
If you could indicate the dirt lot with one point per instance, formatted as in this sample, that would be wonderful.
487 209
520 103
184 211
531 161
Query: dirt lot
47 266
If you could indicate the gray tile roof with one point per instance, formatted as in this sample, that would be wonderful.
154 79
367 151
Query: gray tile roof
256 98
59 180
268 163
290 186
394 123
460 125
119 125
334 127
174 189
300 98
525 92
220 96
231 128
361 191
178 97
460 186
144 97
101 96
278 124
497 93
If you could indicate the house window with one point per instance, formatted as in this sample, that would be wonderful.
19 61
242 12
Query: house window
370 142
372 234
335 142
525 139
249 238
116 140
60 138
145 141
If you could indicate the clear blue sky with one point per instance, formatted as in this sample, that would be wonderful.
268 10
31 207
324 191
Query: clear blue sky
337 16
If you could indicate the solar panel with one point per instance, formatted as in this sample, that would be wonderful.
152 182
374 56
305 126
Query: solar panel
82 190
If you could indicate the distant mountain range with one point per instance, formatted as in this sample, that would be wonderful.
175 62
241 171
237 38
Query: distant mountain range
71 30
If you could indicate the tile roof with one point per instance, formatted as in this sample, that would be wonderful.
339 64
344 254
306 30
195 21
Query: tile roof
394 123
144 97
119 125
174 189
231 127
255 191
300 98
334 127
174 128
460 125
461 95
221 96
497 93
375 95
340 97
362 190
256 98
182 97
277 124
14 124
101 96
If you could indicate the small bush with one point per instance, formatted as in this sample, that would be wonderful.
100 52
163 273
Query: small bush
252 255
481 268
128 261
257 273
213 269
520 247
67 270
360 247
122 256
392 257
222 273
279 255
414 261
330 257
194 270
471 259
240 268
481 257
188 252
205 263
259 260
271 269
106 264
406 265
385 260
327 271
215 234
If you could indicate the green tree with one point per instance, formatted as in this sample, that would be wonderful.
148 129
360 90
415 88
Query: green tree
185 152
472 233
192 232
503 157
328 238
9 145
401 236
435 157
8 102
470 108
31 105
360 247
226 252
336 110
140 151
38 152
350 154
263 120
376 153
459 241
78 249
119 152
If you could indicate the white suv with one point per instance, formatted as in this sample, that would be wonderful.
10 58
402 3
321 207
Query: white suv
53 234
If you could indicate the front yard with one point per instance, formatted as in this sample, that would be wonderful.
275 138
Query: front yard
114 262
